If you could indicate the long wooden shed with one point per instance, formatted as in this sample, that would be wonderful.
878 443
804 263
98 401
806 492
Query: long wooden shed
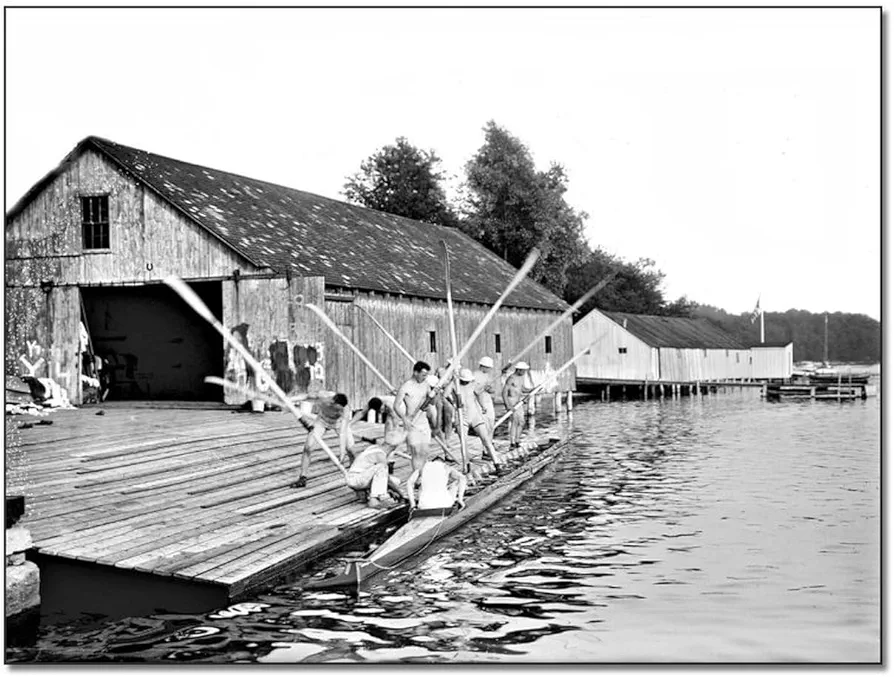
633 347
91 243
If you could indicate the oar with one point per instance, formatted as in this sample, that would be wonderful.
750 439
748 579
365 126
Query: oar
577 304
387 333
543 383
258 395
193 300
460 419
329 323
517 280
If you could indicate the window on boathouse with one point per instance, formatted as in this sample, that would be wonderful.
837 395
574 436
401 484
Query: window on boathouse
548 347
497 346
432 342
95 221
622 351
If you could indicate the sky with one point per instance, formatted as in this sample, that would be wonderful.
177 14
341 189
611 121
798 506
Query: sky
739 149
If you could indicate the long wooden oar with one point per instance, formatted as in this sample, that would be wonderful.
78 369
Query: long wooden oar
338 332
460 417
387 333
452 367
193 300
577 304
542 384
270 399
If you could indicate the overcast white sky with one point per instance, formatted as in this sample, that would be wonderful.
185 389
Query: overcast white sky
738 148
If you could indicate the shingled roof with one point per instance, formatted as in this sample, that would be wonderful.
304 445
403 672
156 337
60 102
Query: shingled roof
350 246
675 332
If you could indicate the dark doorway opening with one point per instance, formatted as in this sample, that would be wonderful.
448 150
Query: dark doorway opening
153 345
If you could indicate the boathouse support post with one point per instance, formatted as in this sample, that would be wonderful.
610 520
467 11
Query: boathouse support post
570 400
557 402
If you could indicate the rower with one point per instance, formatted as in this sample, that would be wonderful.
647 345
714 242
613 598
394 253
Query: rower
473 415
440 486
513 391
369 472
410 396
328 412
484 389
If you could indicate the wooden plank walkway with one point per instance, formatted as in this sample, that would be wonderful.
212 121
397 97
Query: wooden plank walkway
187 492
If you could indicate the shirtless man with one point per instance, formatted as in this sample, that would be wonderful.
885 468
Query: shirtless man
444 405
440 486
484 389
409 398
369 471
474 416
513 390
328 412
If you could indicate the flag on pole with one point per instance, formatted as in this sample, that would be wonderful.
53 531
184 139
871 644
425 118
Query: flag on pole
757 310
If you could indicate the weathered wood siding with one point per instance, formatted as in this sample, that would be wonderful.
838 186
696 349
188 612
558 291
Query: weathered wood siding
703 364
772 362
42 337
410 320
270 317
639 362
149 239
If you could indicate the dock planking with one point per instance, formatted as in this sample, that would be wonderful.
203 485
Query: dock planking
187 493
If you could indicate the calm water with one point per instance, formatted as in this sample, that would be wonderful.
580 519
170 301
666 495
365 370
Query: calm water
723 528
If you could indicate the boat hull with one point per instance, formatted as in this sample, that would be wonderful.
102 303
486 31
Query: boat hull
424 527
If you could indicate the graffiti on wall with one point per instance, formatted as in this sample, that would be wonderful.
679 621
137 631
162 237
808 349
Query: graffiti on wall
32 358
295 368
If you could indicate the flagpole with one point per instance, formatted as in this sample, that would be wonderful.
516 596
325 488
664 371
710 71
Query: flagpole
762 325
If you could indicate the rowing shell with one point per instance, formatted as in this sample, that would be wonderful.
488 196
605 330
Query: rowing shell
427 526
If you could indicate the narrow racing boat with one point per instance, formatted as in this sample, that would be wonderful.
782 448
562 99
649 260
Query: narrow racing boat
426 526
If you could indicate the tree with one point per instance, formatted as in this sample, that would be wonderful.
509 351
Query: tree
635 287
511 207
401 179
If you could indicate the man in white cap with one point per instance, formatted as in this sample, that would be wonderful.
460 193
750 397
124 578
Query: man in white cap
484 389
513 391
474 416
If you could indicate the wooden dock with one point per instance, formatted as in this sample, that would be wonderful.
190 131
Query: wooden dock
815 391
188 495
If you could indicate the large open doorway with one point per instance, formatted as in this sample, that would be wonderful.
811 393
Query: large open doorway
155 346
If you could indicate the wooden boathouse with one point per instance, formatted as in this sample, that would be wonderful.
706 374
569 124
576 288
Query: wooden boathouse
88 246
652 352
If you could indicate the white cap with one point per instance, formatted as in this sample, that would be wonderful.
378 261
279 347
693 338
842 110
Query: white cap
466 375
431 380
486 362
522 365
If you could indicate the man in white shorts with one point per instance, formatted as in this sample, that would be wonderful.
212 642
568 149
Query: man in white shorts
407 402
369 472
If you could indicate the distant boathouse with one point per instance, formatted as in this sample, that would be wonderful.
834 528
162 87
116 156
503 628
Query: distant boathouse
650 350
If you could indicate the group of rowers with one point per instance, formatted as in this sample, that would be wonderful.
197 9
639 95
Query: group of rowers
418 412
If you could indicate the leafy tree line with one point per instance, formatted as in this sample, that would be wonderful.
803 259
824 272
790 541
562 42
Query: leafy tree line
510 206
852 337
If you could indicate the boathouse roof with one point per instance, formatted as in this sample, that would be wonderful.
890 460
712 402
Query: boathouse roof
659 331
285 229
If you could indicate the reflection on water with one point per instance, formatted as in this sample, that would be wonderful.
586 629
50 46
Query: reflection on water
722 528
